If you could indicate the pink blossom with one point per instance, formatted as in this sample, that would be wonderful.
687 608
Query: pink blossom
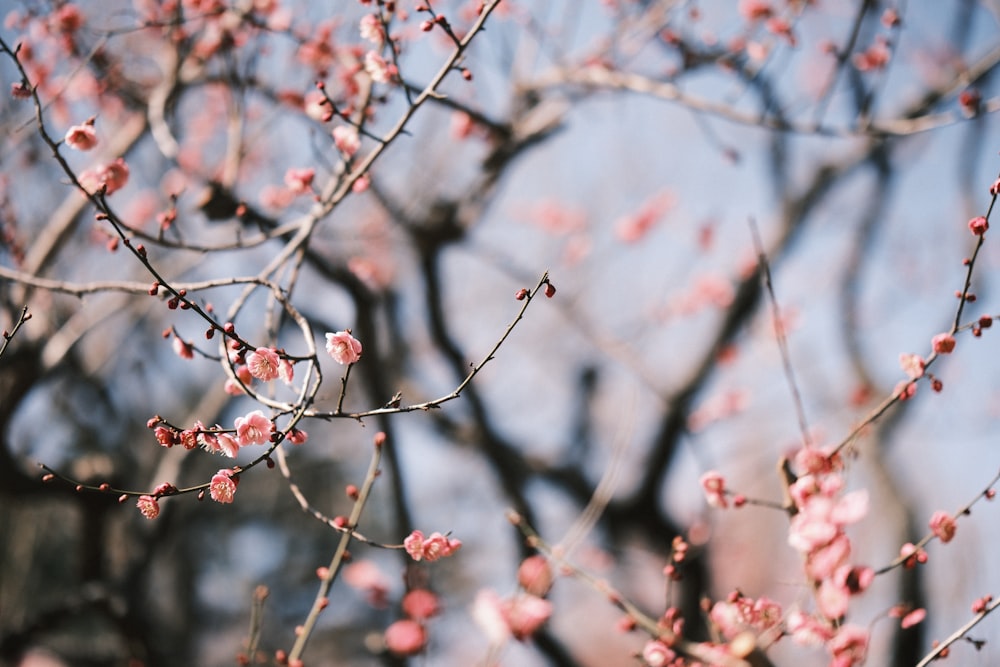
299 180
264 363
112 176
371 29
149 506
346 139
943 525
657 654
525 614
912 555
81 137
823 561
405 637
913 365
377 68
343 347
943 343
19 91
254 429
849 646
535 575
298 436
233 388
286 371
714 486
832 599
806 629
979 225
316 106
182 348
634 227
223 486
915 617
420 604
365 576
489 616
430 548
228 445
754 10
67 19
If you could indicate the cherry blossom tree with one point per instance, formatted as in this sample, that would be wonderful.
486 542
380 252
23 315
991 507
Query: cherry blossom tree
497 332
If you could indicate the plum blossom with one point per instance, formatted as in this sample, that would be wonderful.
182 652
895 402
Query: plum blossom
714 486
317 107
264 363
525 614
182 348
405 637
112 176
657 654
489 616
346 139
420 604
149 506
535 575
943 525
943 343
979 225
81 137
232 387
371 29
223 486
377 68
740 613
848 646
913 365
299 180
430 548
915 617
253 429
365 576
343 347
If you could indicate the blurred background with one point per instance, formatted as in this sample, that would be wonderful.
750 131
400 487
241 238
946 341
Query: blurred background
626 147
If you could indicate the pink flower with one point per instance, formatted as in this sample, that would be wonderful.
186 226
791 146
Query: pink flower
112 176
913 365
431 548
371 29
299 181
657 654
978 226
316 106
849 646
754 10
149 506
913 618
81 137
223 486
264 363
365 576
832 599
912 554
228 445
634 227
405 637
377 68
489 616
420 604
343 347
346 139
182 348
943 343
714 486
535 575
807 630
233 388
525 614
943 525
253 429
19 91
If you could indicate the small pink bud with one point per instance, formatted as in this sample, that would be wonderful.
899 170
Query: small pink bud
978 226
